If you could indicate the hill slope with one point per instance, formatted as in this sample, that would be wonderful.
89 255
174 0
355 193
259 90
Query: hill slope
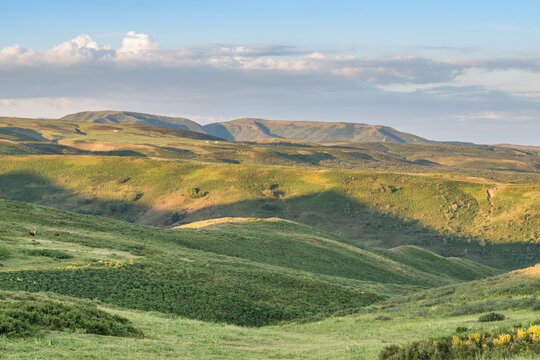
127 117
360 335
251 129
234 275
312 131
453 217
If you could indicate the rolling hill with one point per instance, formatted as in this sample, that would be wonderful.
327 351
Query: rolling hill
127 117
251 129
136 241
489 222
236 274
40 136
311 131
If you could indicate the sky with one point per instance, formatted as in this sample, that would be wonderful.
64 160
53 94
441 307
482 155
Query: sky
453 71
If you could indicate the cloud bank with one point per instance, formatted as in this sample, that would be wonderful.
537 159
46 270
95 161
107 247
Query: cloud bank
485 100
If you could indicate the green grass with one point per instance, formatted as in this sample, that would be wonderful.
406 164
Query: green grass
39 136
356 336
230 274
24 315
449 216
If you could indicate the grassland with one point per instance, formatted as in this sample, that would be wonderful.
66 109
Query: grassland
136 241
493 223
38 136
356 336
230 272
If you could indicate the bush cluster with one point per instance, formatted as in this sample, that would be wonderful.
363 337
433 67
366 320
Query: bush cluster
496 344
20 318
55 254
193 292
196 193
491 317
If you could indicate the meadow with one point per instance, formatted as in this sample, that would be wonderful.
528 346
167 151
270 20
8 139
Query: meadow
134 241
488 222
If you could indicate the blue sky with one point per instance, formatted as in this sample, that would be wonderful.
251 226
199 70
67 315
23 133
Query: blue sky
458 70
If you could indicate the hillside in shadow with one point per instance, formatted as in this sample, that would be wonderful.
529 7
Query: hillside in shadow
329 211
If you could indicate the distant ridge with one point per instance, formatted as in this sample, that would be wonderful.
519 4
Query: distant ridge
127 117
312 131
247 129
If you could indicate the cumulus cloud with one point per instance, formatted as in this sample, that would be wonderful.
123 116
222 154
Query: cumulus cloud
136 45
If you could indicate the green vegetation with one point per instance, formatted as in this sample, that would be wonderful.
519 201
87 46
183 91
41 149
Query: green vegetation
448 216
312 131
56 254
26 315
132 242
39 136
360 335
491 317
497 344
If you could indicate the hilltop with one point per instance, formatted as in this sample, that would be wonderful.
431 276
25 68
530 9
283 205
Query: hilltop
251 129
311 131
127 117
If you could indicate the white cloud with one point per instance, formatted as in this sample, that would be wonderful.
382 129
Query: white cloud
79 49
135 45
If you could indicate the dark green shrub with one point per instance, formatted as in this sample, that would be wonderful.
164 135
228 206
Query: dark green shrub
20 318
461 329
491 317
499 344
196 193
268 206
176 216
55 254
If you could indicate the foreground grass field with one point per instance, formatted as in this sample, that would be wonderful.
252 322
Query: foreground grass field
356 336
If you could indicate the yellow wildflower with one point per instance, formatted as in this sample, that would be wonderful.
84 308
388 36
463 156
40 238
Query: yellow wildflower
474 337
503 339
521 334
534 330
19 279
456 341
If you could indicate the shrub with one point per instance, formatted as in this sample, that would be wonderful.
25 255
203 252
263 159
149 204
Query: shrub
196 193
176 216
493 345
461 329
20 318
491 317
268 206
55 254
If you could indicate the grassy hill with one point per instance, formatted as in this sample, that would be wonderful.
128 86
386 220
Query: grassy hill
360 335
179 244
234 275
311 131
128 117
38 136
250 129
493 223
